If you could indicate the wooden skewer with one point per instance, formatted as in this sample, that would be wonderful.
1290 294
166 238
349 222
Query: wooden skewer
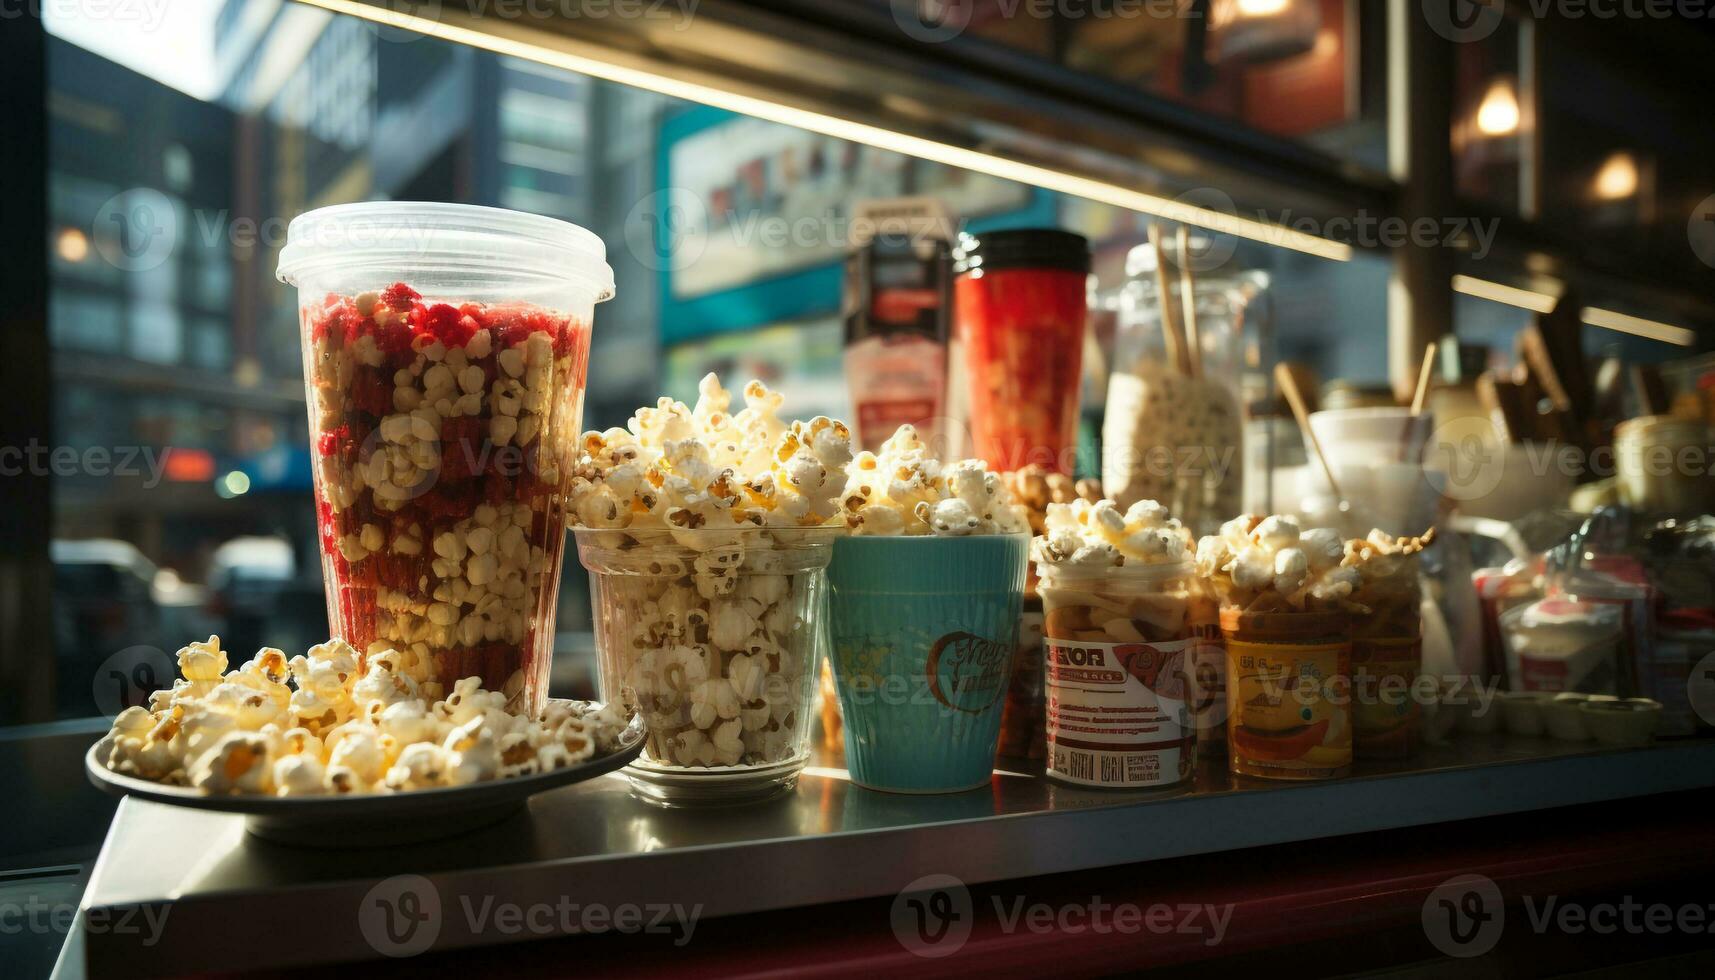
1651 391
1188 301
1169 319
1422 393
1289 387
1418 398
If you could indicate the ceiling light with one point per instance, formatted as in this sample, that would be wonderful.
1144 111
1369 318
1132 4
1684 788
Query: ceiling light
853 131
1498 114
1618 178
1637 326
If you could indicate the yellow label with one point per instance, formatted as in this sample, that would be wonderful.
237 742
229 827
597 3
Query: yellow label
1383 674
1289 708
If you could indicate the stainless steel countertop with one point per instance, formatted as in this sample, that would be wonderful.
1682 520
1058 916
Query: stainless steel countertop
228 901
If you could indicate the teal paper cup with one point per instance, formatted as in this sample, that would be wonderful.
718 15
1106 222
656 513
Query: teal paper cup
923 631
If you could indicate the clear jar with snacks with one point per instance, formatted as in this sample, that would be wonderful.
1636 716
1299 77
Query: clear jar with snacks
713 636
445 349
1289 708
1120 652
1172 433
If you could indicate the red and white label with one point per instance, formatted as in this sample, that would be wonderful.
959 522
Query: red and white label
1118 713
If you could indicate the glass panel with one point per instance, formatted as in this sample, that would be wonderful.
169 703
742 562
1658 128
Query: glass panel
175 343
1493 125
1290 68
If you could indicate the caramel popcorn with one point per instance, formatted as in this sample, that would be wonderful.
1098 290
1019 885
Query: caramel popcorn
1035 486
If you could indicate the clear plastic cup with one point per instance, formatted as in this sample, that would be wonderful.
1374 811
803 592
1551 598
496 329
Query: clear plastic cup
445 349
713 636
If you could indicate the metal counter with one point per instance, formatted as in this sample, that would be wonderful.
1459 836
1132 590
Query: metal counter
180 891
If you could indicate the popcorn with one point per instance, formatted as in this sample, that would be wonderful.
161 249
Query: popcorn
203 661
351 725
431 426
902 490
706 516
238 763
701 469
300 774
1383 572
1097 535
1270 565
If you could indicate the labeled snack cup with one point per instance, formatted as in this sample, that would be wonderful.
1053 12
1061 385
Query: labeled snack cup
712 636
1289 709
1121 652
1387 649
1286 611
923 630
445 349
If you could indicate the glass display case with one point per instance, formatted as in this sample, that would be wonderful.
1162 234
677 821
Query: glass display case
1504 218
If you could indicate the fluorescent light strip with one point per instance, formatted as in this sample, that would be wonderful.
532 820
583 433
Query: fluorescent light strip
1595 316
856 132
1528 299
1667 333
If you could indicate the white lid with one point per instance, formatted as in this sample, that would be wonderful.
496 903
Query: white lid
426 237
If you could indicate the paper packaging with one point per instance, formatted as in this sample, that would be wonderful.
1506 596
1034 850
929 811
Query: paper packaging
897 300
1562 644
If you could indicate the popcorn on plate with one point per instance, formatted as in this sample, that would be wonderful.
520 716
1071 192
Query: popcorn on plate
335 722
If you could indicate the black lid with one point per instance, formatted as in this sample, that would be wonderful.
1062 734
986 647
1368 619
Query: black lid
1022 248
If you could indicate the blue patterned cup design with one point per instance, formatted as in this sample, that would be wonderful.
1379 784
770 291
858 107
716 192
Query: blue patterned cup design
923 631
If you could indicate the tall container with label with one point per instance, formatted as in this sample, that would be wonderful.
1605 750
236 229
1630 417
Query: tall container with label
898 294
1121 650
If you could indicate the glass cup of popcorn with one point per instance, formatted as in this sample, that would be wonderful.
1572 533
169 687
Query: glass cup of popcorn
712 635
445 350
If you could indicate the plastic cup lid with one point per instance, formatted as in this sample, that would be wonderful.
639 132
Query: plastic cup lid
429 237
